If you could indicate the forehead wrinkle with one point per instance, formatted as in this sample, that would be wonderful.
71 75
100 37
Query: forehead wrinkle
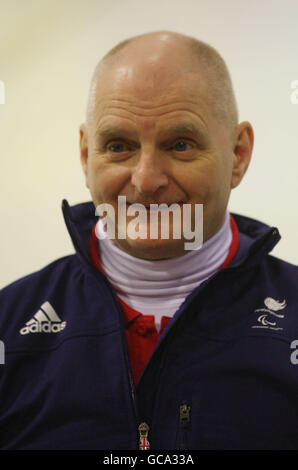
124 113
107 125
148 115
149 104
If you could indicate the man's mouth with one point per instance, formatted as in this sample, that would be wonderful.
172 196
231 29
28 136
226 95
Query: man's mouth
154 204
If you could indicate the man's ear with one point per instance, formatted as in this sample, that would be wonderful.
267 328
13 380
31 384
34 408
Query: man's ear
84 150
243 145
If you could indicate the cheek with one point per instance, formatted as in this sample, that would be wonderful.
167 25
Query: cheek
200 183
207 183
106 180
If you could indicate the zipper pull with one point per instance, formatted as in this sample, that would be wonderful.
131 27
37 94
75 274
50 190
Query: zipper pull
184 418
184 411
143 432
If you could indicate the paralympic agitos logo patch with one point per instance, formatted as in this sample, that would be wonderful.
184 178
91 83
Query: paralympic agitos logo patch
268 319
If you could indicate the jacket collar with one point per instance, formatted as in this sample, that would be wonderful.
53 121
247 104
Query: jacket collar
256 238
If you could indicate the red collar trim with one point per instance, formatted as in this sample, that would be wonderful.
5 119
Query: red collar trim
234 244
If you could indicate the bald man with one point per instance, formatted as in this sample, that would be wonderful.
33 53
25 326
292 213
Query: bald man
138 342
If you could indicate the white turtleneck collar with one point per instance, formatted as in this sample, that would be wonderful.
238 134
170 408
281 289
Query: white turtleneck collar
159 287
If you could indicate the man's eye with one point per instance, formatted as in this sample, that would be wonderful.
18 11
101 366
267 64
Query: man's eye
117 147
180 146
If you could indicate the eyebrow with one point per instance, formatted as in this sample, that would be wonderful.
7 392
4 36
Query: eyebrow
186 129
111 132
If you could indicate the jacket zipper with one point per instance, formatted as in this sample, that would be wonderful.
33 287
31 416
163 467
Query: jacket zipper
143 436
184 425
143 427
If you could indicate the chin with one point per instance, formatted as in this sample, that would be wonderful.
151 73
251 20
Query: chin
152 249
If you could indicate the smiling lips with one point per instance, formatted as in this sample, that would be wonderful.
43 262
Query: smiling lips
180 203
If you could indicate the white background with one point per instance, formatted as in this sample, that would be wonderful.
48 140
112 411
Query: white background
48 50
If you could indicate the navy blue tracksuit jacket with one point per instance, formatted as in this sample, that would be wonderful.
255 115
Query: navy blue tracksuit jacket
222 376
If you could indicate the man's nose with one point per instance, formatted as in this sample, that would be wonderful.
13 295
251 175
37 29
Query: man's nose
149 175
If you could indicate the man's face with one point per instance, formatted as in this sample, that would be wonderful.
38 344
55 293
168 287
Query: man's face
154 140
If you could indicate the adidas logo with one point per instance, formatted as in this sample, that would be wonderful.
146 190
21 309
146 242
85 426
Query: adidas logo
45 320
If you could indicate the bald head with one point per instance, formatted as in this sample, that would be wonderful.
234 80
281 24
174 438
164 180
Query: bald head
163 55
